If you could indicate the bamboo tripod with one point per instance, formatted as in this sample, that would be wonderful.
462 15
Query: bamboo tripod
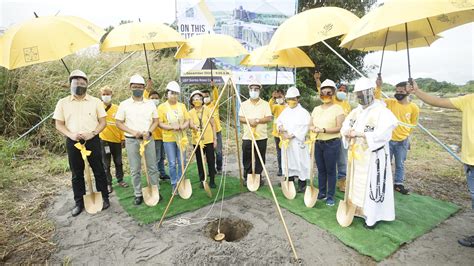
230 85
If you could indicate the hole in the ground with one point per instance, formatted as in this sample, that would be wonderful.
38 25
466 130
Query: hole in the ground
234 229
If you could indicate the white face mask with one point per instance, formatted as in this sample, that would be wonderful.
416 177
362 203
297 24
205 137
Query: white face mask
106 98
254 94
280 101
156 101
207 100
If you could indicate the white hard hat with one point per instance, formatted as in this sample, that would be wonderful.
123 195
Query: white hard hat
328 83
194 93
77 74
292 92
137 79
173 86
364 84
255 83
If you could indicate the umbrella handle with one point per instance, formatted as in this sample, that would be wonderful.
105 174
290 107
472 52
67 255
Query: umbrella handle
212 77
146 59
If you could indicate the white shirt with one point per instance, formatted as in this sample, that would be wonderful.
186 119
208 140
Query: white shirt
136 115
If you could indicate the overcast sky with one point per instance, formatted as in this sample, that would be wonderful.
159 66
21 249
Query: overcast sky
450 58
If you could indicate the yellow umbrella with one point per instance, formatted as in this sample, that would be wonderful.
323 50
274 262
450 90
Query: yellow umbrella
312 26
44 39
292 57
137 36
401 20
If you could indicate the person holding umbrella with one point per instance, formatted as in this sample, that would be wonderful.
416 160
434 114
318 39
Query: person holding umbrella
465 104
81 117
138 117
174 119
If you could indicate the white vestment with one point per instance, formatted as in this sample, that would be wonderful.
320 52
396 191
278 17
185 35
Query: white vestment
371 186
296 122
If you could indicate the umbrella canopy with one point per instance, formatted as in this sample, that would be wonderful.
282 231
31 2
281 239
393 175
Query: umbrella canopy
292 57
136 36
44 39
312 26
402 45
210 46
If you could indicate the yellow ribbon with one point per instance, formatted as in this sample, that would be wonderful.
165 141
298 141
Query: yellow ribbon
284 143
142 146
254 132
183 142
84 151
311 140
353 154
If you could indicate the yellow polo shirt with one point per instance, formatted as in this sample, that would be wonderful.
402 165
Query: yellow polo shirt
258 110
326 118
204 114
136 115
157 134
111 133
406 113
276 111
172 115
466 105
344 104
79 115
217 120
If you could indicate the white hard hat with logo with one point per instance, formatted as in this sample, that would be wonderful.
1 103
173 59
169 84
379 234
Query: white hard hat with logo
173 86
194 93
292 92
328 83
77 74
137 79
364 84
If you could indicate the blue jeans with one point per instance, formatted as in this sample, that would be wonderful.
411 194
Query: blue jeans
326 154
174 161
399 150
470 180
219 151
342 163
160 157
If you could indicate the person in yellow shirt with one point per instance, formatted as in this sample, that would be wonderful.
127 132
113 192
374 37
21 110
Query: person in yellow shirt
277 105
465 104
111 139
210 102
158 137
199 115
406 112
174 120
326 121
259 114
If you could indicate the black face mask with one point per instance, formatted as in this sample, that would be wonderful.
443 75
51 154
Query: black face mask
400 96
80 90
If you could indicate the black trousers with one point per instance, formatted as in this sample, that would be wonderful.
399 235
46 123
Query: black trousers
76 164
208 151
114 151
247 156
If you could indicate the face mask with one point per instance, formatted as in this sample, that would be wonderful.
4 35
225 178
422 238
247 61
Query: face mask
156 101
279 100
325 98
292 103
197 103
106 98
254 94
400 96
77 89
137 93
207 100
341 96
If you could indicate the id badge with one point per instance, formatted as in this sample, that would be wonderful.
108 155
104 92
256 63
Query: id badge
107 149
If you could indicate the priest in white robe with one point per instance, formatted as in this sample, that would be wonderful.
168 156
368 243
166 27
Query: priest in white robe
370 126
293 125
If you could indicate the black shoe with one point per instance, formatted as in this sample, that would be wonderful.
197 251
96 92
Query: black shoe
467 242
165 177
76 211
401 189
321 196
106 204
138 200
110 189
279 173
201 184
291 178
212 185
302 186
371 227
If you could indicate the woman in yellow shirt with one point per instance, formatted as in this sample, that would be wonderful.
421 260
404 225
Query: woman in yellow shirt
199 115
174 120
326 121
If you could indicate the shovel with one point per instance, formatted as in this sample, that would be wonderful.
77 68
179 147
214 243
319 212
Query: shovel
93 202
150 193
287 186
253 180
311 193
346 210
185 190
204 183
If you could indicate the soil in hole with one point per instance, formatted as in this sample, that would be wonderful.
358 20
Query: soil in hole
234 229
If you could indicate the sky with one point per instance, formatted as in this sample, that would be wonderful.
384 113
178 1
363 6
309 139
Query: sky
448 59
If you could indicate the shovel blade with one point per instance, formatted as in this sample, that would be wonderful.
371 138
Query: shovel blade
253 182
345 213
288 189
151 195
185 190
207 189
310 196
93 202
